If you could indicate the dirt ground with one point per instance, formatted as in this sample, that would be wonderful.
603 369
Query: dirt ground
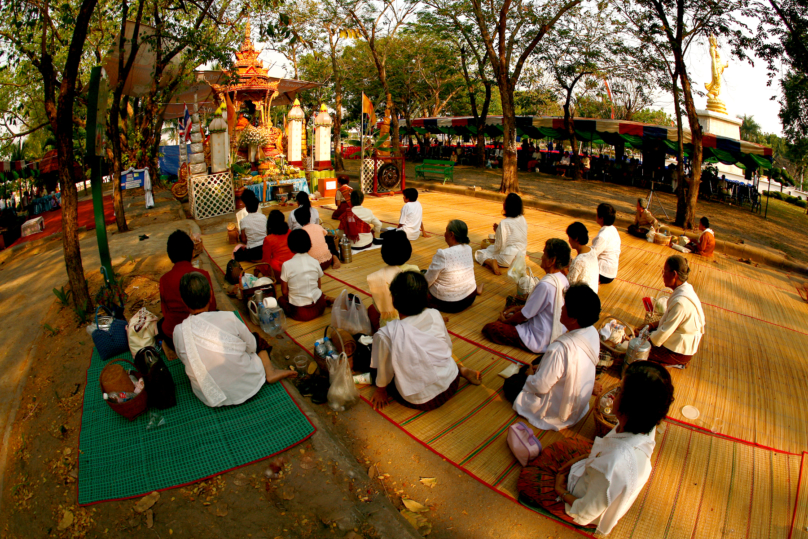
785 229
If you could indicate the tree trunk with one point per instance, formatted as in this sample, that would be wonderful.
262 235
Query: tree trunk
696 139
510 179
481 126
570 129
396 143
117 166
338 163
681 203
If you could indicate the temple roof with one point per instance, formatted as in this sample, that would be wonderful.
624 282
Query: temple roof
250 70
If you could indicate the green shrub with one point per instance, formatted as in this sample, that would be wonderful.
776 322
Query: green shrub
774 194
801 204
791 199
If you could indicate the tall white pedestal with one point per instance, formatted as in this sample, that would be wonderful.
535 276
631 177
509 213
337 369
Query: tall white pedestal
722 125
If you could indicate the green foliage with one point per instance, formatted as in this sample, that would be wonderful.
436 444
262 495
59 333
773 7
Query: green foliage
50 330
801 203
63 296
82 312
774 194
791 199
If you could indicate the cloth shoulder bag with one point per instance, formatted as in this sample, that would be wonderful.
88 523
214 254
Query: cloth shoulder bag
110 341
523 443
142 331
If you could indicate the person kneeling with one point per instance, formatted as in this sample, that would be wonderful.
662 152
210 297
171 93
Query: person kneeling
555 394
220 355
302 299
595 484
413 356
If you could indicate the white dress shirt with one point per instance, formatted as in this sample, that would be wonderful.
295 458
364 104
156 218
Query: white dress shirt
254 225
410 219
315 219
606 247
451 274
510 242
682 326
539 310
584 269
239 373
367 216
540 399
301 273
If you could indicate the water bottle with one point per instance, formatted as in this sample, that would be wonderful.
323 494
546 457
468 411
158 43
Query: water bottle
120 397
329 347
319 348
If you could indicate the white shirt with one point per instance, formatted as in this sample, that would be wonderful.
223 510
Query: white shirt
443 369
410 219
682 326
254 225
565 160
238 374
367 216
315 219
540 399
301 273
584 269
606 247
510 242
451 274
539 310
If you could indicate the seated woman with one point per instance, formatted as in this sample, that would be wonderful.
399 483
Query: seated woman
359 224
276 245
563 164
706 243
452 286
511 237
554 392
643 220
221 356
303 201
323 248
342 198
253 230
584 267
396 251
413 356
538 323
678 333
301 297
595 484
606 244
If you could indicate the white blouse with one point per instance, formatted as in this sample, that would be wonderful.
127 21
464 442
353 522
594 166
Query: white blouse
584 269
451 274
606 247
510 242
315 219
301 273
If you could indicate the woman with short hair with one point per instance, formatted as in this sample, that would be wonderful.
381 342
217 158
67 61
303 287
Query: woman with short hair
606 244
584 267
303 201
396 251
452 285
253 230
302 299
222 358
359 224
323 248
595 484
511 237
276 244
678 333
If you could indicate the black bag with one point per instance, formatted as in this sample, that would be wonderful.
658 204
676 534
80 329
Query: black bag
159 382
361 357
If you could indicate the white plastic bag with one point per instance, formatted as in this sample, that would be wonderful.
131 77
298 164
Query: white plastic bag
142 330
349 314
342 392
518 269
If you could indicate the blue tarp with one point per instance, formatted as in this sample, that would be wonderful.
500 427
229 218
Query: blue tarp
170 159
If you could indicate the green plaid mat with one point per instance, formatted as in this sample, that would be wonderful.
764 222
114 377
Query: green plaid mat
123 459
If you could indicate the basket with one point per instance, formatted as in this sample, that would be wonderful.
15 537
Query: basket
652 317
339 344
133 407
603 425
617 355
661 239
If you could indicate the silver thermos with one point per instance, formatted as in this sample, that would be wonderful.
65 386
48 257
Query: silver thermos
639 348
345 249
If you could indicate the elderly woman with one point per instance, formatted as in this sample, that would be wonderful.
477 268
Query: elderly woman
452 285
643 220
511 237
706 244
595 484
396 251
221 356
538 323
584 267
359 224
606 244
413 356
677 335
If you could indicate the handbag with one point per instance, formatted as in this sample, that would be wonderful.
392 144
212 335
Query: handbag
113 341
523 443
141 331
160 383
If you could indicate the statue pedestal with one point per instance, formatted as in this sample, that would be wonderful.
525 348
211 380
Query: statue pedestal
723 125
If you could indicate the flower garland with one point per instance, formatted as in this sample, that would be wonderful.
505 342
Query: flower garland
252 136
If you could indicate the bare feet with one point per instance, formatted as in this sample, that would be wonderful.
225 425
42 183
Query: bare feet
474 377
335 263
329 301
480 289
276 375
493 266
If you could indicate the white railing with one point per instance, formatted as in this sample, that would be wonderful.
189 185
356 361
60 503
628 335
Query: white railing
212 195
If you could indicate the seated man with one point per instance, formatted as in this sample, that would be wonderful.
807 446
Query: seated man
253 230
218 350
413 356
706 243
554 392
538 323
342 198
679 331
410 221
359 224
180 251
643 220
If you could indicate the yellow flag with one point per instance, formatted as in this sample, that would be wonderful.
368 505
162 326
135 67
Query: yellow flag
367 108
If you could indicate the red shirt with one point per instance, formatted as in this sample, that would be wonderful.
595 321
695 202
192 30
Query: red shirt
174 309
276 251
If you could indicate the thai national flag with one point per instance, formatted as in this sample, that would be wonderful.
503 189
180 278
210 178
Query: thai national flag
186 124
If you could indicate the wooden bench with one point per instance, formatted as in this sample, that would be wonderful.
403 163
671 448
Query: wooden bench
445 168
